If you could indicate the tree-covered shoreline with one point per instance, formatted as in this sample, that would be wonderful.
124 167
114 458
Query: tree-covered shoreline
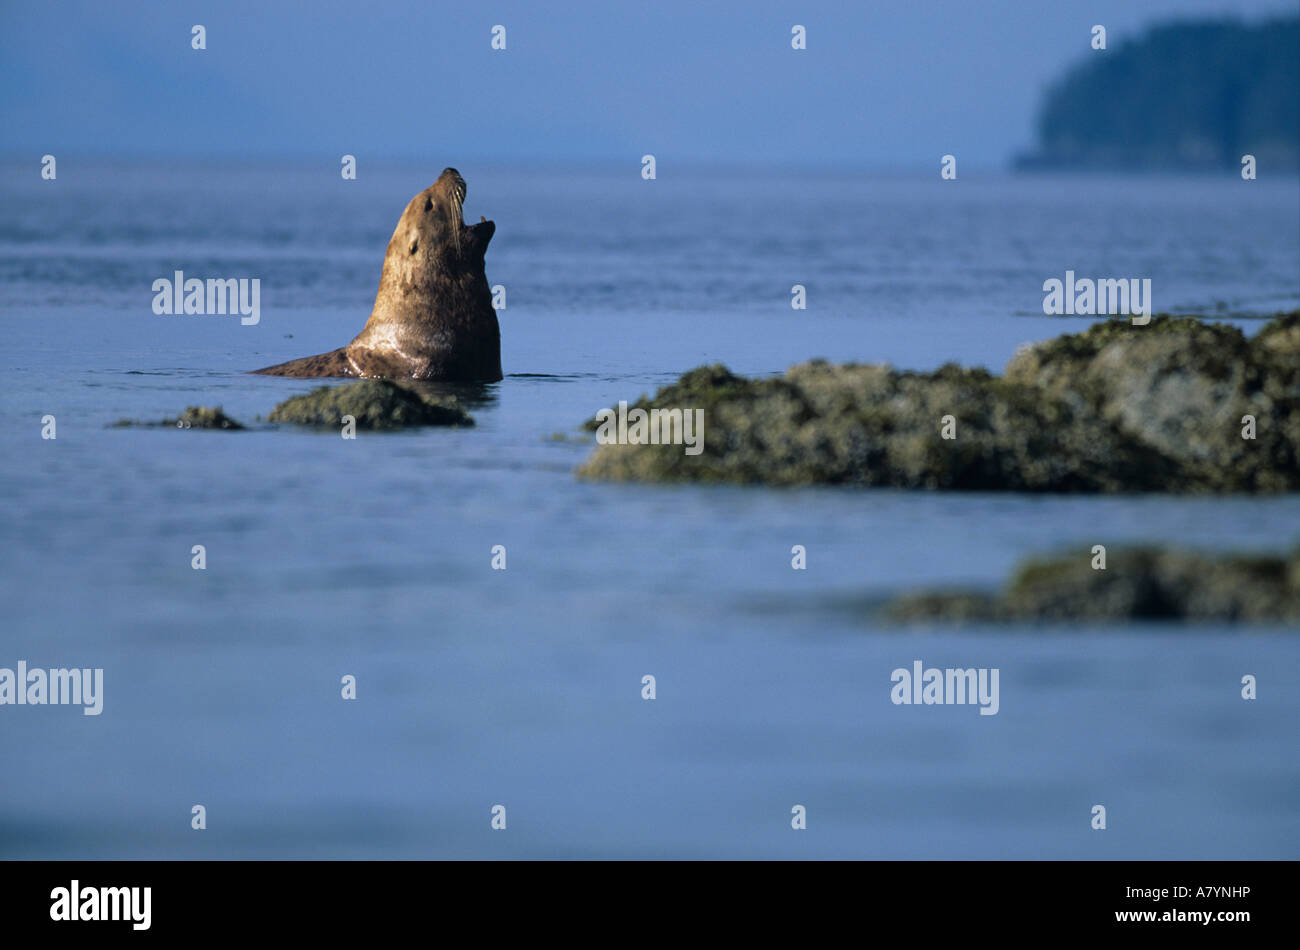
1186 95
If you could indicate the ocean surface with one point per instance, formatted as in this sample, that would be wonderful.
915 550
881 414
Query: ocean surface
478 687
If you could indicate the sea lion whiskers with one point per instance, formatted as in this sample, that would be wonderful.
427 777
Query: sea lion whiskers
457 221
458 192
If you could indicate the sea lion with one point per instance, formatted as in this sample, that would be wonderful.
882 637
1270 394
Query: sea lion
433 316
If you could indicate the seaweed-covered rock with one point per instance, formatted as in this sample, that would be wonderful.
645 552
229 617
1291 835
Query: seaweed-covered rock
1137 584
872 425
374 404
1116 408
195 417
1280 337
204 417
1183 387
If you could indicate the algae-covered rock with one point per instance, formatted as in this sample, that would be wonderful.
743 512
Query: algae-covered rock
195 417
1116 408
204 417
1281 337
1183 387
1136 584
374 404
872 425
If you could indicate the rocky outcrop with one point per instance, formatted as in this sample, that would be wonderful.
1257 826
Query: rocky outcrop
195 417
1136 584
1182 387
373 404
1118 407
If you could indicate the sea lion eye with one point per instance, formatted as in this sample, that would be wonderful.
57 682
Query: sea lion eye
428 204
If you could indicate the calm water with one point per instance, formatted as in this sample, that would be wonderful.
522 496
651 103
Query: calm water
481 687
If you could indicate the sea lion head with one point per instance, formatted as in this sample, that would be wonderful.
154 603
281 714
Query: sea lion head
431 238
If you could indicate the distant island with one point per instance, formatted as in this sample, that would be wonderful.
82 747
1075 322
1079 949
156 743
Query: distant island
1184 95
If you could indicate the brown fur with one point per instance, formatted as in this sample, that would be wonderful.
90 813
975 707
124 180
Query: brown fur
433 316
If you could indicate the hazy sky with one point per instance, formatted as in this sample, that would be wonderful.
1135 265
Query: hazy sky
881 83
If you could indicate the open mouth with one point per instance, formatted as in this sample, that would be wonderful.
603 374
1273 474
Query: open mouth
458 191
477 234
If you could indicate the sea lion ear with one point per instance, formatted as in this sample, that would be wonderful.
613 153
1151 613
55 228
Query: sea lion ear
414 243
482 233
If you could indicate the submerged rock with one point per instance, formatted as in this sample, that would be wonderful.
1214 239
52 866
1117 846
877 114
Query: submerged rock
1137 584
1117 408
195 417
374 404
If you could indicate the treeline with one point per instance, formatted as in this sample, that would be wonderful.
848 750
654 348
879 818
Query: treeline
1183 95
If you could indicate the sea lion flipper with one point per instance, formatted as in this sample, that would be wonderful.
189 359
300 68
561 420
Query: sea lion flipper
333 363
